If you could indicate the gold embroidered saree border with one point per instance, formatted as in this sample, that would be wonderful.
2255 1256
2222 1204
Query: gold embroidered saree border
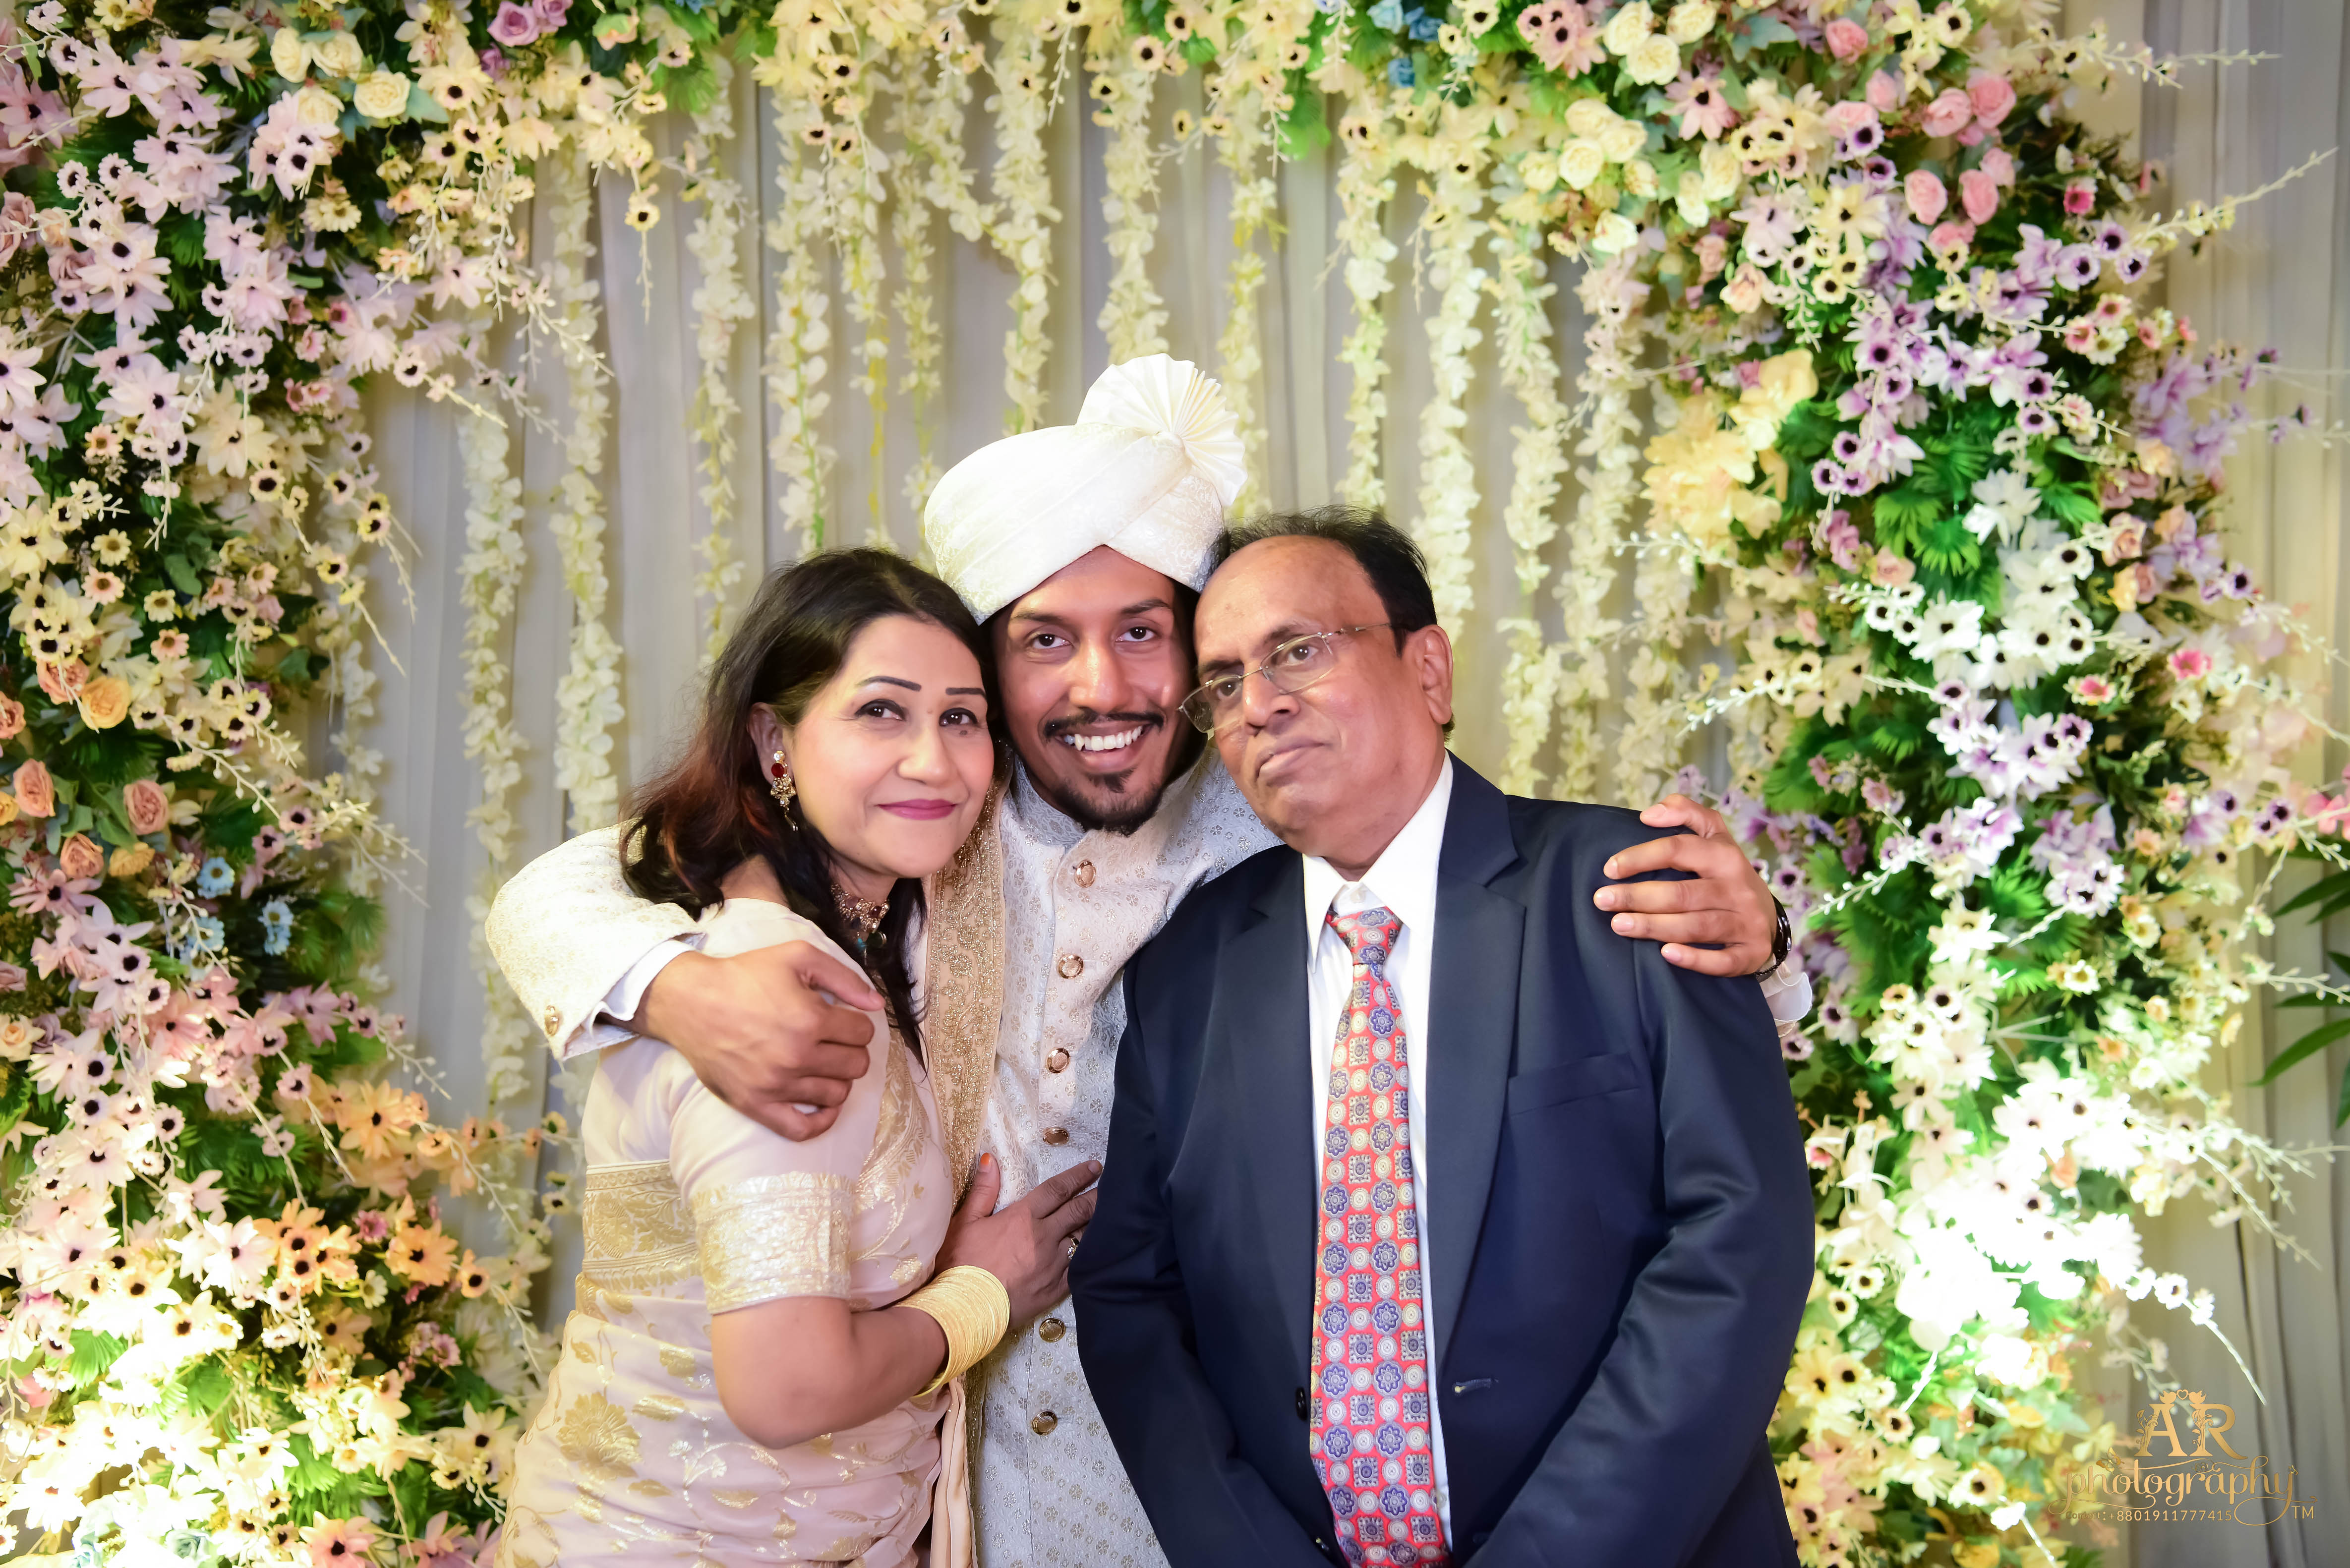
639 1231
774 1236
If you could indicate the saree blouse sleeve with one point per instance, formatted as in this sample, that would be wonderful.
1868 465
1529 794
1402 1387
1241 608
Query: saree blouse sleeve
772 1218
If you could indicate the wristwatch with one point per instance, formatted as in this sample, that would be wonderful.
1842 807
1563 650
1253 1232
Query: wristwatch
1783 941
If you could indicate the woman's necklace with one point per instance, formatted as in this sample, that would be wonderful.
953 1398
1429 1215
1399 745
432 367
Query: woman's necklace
862 917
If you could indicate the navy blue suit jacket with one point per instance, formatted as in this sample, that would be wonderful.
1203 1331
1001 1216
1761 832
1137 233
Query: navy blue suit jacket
1620 1220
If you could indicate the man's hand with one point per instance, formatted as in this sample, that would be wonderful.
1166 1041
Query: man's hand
1726 905
760 1030
1026 1244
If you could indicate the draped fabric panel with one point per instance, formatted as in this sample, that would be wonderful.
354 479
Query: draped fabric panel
2278 278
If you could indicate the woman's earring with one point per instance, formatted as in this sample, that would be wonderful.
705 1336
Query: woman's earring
779 783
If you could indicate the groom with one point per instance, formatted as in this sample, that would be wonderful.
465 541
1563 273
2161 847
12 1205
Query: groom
1081 546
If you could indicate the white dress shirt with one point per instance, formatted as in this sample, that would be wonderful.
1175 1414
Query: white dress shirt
1402 881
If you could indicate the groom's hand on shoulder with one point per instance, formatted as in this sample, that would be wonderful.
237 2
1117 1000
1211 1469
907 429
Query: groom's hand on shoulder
1726 907
763 1030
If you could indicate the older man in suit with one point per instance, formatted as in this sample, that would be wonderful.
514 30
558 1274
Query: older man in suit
1438 1222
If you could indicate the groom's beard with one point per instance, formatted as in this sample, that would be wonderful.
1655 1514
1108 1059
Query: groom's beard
1116 802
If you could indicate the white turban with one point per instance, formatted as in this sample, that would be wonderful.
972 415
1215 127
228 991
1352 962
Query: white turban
1149 469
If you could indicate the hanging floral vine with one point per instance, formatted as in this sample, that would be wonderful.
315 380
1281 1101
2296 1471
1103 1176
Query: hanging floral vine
1027 83
1125 76
587 697
1366 185
721 303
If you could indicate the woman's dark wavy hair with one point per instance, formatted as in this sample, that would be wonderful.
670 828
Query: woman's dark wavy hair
711 811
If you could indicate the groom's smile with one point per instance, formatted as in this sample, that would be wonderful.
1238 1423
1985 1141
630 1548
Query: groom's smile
1091 664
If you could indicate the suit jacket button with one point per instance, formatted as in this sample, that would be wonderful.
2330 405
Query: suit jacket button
1071 966
1083 872
1043 1423
1058 1062
1302 1408
1056 1136
1051 1329
552 1020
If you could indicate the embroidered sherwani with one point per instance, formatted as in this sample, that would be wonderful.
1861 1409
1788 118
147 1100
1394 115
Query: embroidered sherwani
1075 906
692 1209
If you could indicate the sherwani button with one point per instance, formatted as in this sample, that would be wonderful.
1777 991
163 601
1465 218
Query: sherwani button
1051 1330
1043 1423
1083 872
1056 1136
1071 966
552 1021
1058 1062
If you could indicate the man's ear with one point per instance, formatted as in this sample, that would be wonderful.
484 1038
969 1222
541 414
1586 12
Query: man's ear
1429 653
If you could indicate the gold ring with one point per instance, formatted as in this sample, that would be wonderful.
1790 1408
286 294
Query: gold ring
1073 1246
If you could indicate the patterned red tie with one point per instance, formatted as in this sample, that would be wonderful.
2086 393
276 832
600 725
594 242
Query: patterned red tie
1371 1437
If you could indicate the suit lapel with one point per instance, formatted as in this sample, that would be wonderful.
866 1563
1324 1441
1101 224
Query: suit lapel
1473 981
1268 1067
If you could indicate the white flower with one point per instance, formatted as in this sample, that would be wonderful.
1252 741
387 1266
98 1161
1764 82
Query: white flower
1580 162
1654 60
1948 627
1691 20
1626 29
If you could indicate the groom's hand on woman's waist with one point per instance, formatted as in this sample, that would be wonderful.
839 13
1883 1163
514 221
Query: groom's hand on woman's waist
763 1031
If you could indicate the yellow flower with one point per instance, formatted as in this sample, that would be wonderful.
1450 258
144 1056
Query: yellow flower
1654 60
130 861
421 1254
105 701
381 94
289 57
339 54
1580 162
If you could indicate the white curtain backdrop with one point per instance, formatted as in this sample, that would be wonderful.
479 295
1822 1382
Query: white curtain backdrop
2280 278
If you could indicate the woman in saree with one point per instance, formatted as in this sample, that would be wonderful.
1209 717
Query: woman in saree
764 1363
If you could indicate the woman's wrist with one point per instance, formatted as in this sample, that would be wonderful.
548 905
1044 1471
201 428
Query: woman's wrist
972 1307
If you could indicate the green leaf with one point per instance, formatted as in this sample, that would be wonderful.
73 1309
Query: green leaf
2308 1046
183 577
2324 887
2341 1103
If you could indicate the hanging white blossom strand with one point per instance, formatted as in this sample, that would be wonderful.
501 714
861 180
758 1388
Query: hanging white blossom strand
587 698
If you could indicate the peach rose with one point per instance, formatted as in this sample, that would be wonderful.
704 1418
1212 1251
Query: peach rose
12 718
79 857
1991 96
147 807
1926 194
63 682
105 701
36 795
130 860
1847 38
1948 114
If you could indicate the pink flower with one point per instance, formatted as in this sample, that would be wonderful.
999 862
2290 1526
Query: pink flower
1884 92
1951 237
551 12
1978 194
1892 570
514 26
1991 97
2191 664
1561 34
1948 114
2081 197
1851 115
2093 689
36 795
2000 164
1926 194
339 1542
1847 38
143 802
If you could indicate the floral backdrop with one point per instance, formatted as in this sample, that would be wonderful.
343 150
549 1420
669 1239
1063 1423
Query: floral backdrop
1884 463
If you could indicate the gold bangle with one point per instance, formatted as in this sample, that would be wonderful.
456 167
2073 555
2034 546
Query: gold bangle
973 1309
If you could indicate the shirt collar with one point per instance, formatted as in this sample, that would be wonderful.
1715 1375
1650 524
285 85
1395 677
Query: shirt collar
1403 878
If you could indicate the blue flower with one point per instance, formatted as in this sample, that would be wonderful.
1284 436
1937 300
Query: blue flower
216 879
1387 14
276 926
1424 28
1399 73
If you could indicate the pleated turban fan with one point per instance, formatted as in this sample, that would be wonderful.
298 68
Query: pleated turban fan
1150 469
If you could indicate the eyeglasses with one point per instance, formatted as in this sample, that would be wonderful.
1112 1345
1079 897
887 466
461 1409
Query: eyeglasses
1290 668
